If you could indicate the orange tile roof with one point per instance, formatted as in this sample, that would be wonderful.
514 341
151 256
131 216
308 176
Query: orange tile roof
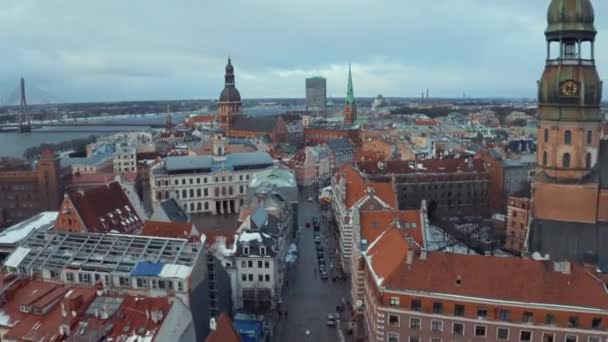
224 332
374 223
357 188
386 253
385 191
498 278
168 229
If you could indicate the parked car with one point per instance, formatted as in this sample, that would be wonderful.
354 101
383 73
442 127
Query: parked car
331 320
309 198
324 275
317 239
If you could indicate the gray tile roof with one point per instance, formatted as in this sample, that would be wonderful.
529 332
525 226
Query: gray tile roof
234 161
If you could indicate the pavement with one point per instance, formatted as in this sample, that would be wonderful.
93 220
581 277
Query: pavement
307 299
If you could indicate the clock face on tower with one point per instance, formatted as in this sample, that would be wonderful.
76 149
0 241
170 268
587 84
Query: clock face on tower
569 89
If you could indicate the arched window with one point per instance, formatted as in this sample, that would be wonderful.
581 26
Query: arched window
545 158
589 137
588 160
546 135
566 160
568 137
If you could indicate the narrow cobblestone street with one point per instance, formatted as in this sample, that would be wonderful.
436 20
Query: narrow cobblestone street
308 299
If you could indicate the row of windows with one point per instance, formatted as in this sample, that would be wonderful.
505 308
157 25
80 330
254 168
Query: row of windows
481 331
566 159
249 264
92 278
197 180
568 137
156 284
125 169
262 250
261 277
197 193
197 206
503 314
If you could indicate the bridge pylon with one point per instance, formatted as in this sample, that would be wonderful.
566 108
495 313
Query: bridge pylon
25 122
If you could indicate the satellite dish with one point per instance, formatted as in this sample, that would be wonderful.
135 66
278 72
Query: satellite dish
359 303
212 324
537 256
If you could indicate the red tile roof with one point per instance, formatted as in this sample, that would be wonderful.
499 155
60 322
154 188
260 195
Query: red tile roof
497 278
386 253
200 119
408 222
430 122
423 166
357 187
169 229
224 332
106 208
134 317
66 306
95 178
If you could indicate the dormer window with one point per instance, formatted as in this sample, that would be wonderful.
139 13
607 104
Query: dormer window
262 251
245 250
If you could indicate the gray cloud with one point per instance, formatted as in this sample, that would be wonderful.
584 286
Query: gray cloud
160 49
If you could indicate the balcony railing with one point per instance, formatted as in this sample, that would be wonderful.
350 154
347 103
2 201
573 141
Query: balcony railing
584 62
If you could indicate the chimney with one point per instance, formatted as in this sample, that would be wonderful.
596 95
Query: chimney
156 316
423 254
104 312
64 313
410 256
563 267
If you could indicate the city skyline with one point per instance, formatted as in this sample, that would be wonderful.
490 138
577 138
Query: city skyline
109 52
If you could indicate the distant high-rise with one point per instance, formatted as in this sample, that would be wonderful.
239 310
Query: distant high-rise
316 93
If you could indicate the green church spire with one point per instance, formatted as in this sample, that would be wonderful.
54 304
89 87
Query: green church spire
350 93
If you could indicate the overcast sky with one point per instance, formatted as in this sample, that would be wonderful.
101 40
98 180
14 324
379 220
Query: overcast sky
83 50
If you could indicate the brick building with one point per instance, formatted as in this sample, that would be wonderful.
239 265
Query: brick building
518 221
413 295
317 135
449 186
24 192
252 127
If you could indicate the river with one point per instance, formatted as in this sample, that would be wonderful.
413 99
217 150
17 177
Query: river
13 144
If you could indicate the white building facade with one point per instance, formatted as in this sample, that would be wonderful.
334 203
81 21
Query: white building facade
124 159
214 184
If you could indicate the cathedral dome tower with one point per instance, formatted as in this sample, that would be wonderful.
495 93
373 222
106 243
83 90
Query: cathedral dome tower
230 99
